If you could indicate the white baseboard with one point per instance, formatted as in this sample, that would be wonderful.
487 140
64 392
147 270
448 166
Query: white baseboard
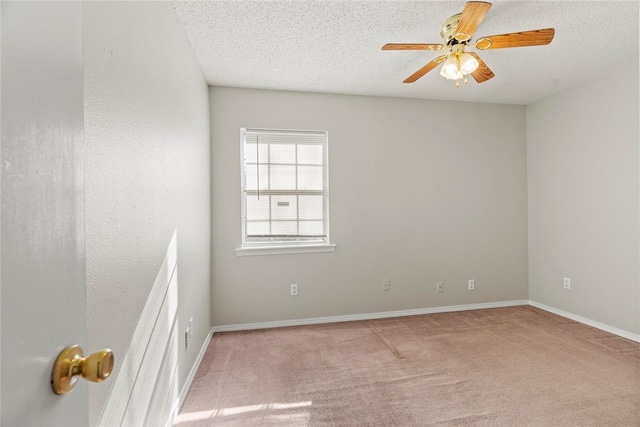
366 316
611 329
187 384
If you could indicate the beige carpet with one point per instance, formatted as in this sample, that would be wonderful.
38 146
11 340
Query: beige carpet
517 366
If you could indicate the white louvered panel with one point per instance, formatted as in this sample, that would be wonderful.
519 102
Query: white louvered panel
135 388
150 369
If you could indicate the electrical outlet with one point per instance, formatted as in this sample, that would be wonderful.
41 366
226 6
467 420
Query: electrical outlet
294 289
566 283
440 287
472 285
386 284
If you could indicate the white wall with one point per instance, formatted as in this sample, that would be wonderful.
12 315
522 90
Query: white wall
147 175
582 160
420 192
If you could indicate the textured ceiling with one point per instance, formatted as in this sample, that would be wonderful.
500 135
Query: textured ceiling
335 46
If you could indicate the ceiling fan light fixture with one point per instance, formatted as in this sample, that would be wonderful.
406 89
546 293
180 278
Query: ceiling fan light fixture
457 65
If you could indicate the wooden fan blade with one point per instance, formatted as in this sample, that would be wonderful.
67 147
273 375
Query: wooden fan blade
424 70
482 73
412 46
472 16
524 38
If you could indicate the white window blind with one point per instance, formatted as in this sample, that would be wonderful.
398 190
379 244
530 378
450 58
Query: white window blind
284 187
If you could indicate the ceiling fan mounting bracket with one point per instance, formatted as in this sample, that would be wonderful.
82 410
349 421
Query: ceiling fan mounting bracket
484 43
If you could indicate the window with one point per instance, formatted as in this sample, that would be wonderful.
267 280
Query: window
284 188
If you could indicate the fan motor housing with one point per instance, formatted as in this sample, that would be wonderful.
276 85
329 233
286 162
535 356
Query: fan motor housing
450 29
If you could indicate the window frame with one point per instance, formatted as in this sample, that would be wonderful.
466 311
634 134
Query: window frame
284 247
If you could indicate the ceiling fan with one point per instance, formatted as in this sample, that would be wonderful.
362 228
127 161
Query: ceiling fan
456 33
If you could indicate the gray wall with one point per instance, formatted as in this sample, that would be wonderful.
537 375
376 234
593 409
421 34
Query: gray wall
420 192
582 160
147 174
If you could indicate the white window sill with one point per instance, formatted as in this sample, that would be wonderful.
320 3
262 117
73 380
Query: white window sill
281 250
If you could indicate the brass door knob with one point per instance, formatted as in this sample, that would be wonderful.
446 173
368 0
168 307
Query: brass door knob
70 364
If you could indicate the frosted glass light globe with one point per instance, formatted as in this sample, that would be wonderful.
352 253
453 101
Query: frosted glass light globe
450 68
468 63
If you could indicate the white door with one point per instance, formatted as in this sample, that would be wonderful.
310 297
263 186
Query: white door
42 259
